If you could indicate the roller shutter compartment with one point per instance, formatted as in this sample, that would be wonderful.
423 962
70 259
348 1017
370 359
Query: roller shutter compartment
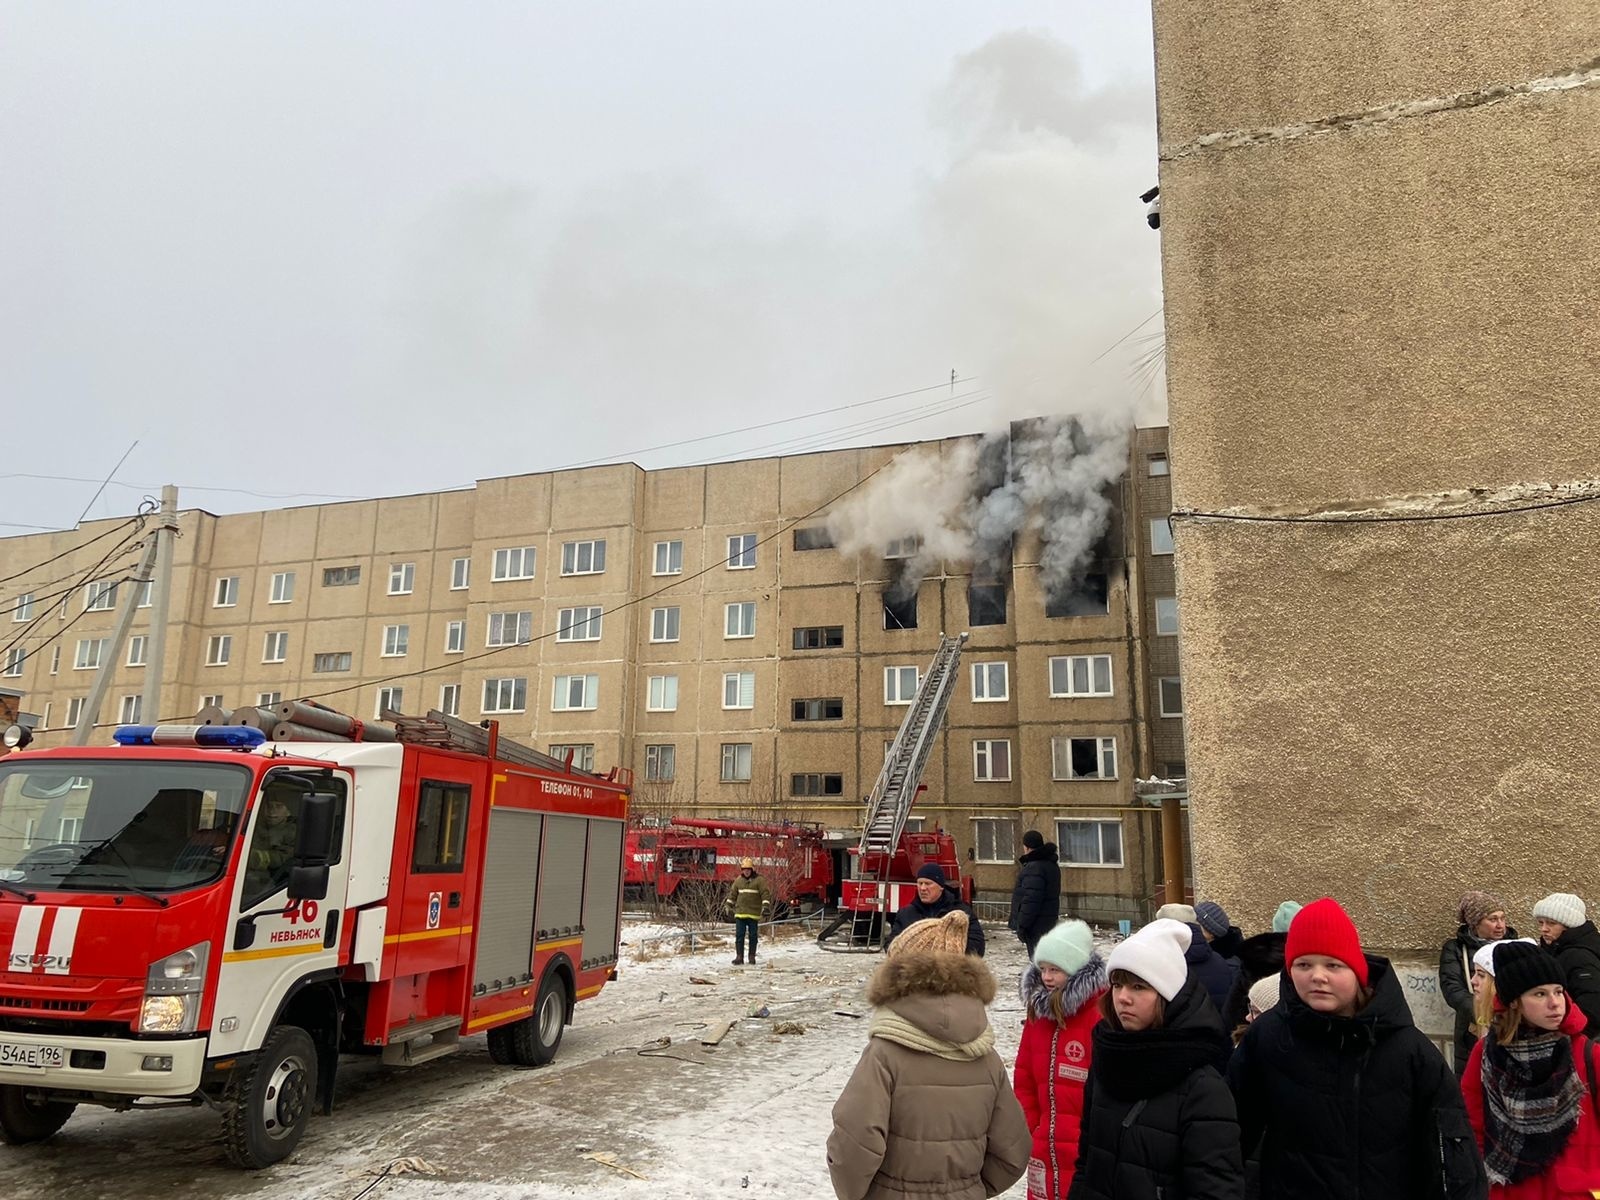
510 883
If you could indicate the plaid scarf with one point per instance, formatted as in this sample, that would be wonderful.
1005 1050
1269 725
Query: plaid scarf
1531 1100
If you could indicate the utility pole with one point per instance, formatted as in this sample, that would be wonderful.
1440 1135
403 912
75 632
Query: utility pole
108 662
160 597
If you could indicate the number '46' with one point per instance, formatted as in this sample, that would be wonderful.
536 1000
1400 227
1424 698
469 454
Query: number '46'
301 910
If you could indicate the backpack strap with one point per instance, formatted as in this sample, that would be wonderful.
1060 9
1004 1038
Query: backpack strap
1594 1083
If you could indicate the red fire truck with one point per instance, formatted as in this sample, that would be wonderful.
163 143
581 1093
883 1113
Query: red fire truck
705 852
198 915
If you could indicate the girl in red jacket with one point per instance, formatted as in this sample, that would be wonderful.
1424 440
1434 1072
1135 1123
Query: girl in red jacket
1060 993
1528 1084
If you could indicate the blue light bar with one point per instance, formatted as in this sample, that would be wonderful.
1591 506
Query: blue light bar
216 737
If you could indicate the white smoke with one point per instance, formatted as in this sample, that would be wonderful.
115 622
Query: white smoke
922 494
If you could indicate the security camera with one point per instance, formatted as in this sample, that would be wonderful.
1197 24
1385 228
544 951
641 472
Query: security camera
1152 211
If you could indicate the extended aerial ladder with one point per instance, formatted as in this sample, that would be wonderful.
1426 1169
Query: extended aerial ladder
870 895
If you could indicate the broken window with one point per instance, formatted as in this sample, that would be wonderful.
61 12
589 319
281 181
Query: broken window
816 537
1083 757
813 784
819 637
986 604
899 612
1089 596
824 709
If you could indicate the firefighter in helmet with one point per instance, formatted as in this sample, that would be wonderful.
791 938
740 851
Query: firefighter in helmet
749 903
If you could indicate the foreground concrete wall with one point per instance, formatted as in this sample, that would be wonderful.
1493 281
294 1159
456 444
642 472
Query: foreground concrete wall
1390 311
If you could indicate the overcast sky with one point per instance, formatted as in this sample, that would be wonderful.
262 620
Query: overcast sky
311 250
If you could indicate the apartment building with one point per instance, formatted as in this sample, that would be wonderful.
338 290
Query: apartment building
696 625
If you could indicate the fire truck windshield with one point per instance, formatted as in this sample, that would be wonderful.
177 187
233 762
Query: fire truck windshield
117 825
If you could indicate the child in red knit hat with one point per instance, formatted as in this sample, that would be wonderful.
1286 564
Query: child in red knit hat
1346 1096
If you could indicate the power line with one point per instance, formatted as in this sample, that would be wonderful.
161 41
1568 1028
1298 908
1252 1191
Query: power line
73 550
189 487
637 600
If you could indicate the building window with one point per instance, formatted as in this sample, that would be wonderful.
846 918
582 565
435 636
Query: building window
282 588
579 624
75 711
1177 769
402 578
583 558
827 708
1171 696
813 784
582 754
662 694
660 763
1083 758
986 604
276 647
815 538
739 620
1090 597
460 573
1167 615
390 699
55 659
1156 464
899 684
899 613
396 640
819 637
268 699
741 552
23 609
128 710
227 594
144 597
1081 675
906 547
663 624
574 693
991 760
668 559
330 663
219 650
736 762
341 576
916 824
450 699
991 681
513 562
509 628
91 652
1160 535
138 647
455 636
505 695
99 597
994 840
739 689
15 657
1090 843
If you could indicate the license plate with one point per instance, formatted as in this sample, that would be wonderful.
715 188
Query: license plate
37 1058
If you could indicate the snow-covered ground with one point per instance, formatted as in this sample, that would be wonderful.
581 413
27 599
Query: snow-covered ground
620 1114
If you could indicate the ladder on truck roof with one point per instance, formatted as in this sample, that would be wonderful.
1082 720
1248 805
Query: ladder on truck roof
895 792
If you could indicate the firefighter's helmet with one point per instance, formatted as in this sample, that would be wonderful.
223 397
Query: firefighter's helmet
747 864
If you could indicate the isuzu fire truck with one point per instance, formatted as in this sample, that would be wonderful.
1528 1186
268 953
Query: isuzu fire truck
200 916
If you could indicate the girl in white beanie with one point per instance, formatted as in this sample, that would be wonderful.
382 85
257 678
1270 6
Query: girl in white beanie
1158 1118
1565 927
1061 993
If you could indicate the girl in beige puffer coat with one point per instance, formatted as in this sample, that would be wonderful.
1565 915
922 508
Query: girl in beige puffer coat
929 1107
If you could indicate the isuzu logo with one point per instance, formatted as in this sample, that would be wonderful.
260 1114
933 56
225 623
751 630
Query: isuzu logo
55 964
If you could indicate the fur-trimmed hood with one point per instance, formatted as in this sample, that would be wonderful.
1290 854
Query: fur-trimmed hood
945 994
1082 987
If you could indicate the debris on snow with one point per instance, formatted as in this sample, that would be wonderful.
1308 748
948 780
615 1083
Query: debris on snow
609 1160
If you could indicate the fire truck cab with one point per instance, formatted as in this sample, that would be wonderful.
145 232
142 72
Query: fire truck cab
203 917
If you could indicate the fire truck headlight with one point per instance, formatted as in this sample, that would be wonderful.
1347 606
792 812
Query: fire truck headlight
172 990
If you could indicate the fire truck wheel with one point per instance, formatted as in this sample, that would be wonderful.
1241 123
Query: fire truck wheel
24 1120
268 1100
534 1040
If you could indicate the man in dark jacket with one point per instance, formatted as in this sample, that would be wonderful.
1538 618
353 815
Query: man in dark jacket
1225 937
1359 1105
935 897
1565 929
1036 898
1215 973
1483 920
1259 956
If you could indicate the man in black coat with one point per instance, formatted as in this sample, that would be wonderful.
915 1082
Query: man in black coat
1036 898
935 897
1567 932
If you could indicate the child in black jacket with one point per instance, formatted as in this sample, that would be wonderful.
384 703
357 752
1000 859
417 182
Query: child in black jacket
1158 1121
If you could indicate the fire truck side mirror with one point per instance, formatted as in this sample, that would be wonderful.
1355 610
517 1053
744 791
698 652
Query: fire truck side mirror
313 848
